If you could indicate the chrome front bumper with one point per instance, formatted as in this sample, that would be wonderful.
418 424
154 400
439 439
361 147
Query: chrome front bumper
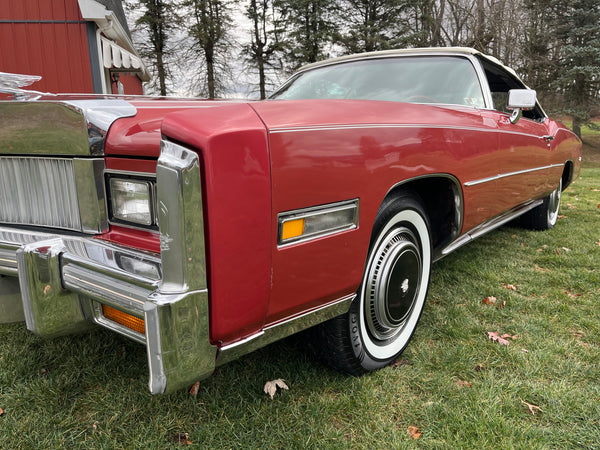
65 279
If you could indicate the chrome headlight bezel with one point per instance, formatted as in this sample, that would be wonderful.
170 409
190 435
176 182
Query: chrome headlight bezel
144 188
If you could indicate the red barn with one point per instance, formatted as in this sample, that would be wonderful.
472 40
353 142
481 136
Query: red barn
77 46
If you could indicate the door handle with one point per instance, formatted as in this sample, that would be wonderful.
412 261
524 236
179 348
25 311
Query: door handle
548 138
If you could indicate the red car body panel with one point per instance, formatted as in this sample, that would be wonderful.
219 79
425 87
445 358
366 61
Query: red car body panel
319 153
232 144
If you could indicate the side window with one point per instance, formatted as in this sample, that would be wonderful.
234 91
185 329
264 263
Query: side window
500 82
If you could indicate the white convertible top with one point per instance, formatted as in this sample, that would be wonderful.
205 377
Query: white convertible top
404 52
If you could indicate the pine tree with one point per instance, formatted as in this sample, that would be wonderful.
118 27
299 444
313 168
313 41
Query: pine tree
309 27
157 21
577 72
370 25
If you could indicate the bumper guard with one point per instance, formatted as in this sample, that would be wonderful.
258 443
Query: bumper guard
64 279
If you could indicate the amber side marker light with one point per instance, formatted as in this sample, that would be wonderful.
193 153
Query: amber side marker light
292 229
127 320
302 225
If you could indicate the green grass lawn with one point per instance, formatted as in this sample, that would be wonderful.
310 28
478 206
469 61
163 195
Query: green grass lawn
460 389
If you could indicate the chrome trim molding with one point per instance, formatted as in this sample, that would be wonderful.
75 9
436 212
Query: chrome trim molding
91 198
63 128
362 126
99 115
318 211
177 315
62 278
510 174
179 197
488 226
279 330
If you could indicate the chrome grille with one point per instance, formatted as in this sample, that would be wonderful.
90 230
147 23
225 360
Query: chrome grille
39 191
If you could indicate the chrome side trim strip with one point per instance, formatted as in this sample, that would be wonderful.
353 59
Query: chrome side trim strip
389 125
488 226
510 174
279 330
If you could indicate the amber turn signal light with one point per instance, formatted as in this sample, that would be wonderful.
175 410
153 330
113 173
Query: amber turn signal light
127 320
292 229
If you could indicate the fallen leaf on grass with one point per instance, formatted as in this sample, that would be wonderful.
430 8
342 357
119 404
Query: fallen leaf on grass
502 340
271 387
1 412
195 388
463 383
491 300
578 334
414 432
399 363
532 408
542 269
181 439
478 368
510 287
524 350
571 295
561 216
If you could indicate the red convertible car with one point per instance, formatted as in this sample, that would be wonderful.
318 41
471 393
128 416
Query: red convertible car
207 229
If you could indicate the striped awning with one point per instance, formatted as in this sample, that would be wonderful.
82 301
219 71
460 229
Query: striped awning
115 56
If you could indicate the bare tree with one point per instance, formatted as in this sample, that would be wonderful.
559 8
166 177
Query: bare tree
209 23
264 43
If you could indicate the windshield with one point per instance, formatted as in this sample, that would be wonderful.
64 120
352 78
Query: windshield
417 79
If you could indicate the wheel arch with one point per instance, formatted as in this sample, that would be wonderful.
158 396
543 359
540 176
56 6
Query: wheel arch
567 175
442 199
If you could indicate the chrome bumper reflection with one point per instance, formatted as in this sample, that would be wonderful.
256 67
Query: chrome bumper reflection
65 279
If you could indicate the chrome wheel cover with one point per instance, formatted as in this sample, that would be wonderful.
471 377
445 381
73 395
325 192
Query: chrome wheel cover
554 204
394 280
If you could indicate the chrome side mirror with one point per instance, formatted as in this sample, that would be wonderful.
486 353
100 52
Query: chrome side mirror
519 100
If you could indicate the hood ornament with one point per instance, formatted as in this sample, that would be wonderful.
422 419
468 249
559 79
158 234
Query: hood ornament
11 83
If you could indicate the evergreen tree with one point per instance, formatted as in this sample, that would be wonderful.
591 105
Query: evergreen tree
309 28
370 25
158 22
577 75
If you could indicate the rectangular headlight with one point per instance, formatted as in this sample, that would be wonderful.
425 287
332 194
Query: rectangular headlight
131 200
